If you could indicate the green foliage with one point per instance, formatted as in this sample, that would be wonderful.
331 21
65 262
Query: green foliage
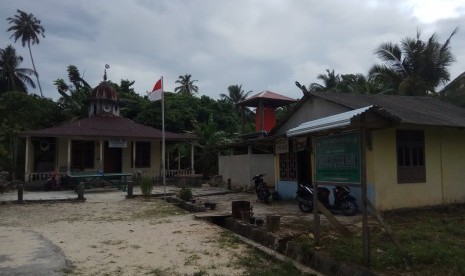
186 85
74 95
414 67
12 76
185 194
258 263
146 186
26 26
19 112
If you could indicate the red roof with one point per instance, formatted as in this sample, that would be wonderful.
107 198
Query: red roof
105 126
269 99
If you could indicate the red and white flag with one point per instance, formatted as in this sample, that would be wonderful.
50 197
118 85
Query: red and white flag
157 91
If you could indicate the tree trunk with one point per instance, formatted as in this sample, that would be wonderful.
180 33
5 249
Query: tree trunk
34 66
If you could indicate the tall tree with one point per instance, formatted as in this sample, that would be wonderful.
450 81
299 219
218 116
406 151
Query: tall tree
330 81
236 95
414 67
12 77
79 90
26 26
186 85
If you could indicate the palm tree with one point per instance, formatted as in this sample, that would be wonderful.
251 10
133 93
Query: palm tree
186 85
414 67
13 78
27 28
330 81
236 95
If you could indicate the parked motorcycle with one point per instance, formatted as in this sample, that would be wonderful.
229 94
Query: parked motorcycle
261 190
343 201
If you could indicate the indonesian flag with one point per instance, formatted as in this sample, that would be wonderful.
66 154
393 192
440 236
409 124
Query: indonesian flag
157 91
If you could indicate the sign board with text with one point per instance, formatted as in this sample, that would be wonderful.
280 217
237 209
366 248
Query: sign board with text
118 143
338 158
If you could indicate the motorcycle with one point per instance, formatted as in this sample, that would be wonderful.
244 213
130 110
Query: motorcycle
343 201
261 190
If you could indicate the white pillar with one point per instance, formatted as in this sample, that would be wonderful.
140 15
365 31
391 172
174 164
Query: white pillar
133 155
102 145
27 166
68 158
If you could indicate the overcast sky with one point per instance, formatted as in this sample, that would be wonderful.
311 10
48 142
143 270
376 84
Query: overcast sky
261 44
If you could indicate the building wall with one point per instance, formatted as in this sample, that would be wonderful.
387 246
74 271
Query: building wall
444 151
155 162
453 165
242 168
313 108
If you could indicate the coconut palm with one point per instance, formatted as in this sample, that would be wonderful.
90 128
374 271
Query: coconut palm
12 77
236 95
27 28
330 81
186 85
414 67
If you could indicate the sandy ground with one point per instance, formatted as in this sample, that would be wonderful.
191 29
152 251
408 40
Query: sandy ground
109 235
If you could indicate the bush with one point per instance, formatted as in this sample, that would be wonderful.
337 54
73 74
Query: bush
146 187
185 194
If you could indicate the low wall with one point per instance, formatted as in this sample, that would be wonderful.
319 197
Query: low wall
304 255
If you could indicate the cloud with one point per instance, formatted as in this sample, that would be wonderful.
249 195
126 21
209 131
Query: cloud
261 44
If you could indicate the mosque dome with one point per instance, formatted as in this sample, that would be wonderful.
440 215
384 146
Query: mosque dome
104 91
104 99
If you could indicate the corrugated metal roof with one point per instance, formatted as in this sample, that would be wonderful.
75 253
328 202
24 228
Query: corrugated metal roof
335 121
105 126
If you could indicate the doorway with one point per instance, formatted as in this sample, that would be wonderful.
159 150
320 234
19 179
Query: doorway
304 169
112 159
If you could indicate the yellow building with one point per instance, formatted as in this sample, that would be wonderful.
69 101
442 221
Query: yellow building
414 148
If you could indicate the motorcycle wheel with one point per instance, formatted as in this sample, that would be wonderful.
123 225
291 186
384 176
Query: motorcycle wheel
348 208
263 195
306 206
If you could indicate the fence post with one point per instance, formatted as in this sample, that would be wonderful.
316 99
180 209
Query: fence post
20 193
80 191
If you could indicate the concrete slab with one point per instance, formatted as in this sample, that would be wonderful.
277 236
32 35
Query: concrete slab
29 254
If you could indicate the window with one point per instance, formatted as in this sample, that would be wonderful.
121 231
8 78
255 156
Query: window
287 166
82 155
143 153
410 156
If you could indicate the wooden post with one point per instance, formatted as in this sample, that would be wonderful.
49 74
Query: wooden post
80 191
365 230
130 186
20 188
192 158
332 219
316 216
272 223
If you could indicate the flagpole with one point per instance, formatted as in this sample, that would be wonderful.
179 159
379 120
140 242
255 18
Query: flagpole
163 139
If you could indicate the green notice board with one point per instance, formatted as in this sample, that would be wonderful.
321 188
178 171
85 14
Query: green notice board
338 158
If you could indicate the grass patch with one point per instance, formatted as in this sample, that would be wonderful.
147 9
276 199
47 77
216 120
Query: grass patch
257 263
433 240
159 210
162 272
228 240
192 259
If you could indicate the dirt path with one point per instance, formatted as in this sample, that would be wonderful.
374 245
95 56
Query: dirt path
113 236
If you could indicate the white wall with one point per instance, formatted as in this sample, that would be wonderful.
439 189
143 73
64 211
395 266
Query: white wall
242 168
